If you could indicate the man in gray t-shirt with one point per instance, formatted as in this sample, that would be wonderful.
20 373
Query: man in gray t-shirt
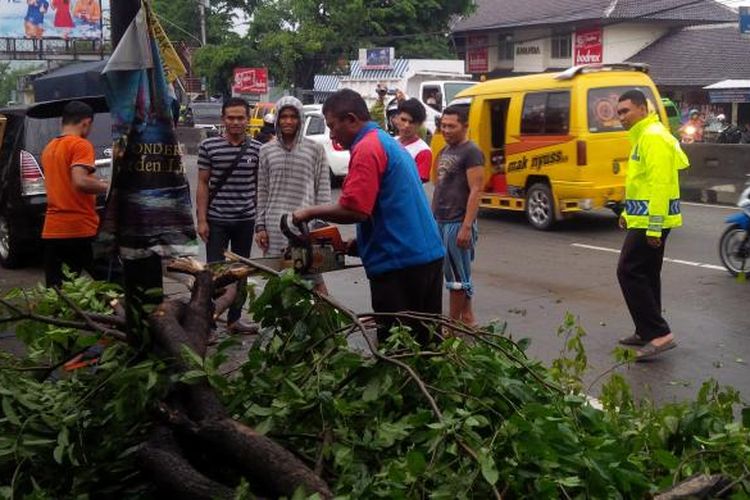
455 204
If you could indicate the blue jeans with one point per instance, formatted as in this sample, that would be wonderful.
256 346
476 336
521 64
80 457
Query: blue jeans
237 236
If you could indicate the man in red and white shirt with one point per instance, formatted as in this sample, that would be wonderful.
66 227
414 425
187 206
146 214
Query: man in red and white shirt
411 116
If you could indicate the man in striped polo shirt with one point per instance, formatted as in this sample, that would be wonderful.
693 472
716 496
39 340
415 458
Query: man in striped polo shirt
225 199
293 173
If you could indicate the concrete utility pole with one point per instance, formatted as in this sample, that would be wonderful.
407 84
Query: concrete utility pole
202 4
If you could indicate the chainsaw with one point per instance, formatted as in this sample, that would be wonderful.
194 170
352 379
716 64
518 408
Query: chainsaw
310 251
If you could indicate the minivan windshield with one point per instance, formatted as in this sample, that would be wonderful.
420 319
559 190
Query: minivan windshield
39 131
451 89
602 107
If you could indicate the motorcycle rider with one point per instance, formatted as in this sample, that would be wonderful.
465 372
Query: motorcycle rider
692 130
728 133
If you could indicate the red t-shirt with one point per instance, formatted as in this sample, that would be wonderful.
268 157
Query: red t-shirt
70 213
420 151
367 164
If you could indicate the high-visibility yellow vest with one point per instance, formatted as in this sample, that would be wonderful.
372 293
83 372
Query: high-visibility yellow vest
652 185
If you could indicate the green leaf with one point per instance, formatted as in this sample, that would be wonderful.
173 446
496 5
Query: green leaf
746 417
666 459
294 387
416 462
191 356
372 390
570 481
153 377
260 411
671 423
10 413
489 469
192 376
57 454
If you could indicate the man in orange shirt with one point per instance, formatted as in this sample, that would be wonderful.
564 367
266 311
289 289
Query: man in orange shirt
71 221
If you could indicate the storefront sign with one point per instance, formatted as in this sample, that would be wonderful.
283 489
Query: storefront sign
250 81
528 50
477 54
729 95
589 46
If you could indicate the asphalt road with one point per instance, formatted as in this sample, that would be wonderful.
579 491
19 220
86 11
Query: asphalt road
531 279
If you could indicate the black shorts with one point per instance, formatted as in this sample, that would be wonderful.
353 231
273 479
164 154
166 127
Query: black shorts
75 253
418 288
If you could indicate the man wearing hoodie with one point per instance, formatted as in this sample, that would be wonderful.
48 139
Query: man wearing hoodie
292 174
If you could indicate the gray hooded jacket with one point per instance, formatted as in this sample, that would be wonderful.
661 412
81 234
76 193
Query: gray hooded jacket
289 178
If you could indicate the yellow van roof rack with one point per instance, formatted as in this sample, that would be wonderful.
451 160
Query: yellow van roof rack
571 73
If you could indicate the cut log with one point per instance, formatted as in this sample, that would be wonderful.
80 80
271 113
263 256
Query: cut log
695 487
274 469
161 457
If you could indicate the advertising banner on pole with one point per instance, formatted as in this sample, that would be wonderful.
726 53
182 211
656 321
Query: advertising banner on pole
377 58
477 54
250 81
148 209
589 47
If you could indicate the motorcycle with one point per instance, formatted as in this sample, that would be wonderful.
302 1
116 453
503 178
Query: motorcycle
734 245
688 134
729 135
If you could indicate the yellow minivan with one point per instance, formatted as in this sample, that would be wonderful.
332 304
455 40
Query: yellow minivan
552 142
257 113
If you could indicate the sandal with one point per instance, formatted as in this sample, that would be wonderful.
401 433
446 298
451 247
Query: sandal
650 350
633 340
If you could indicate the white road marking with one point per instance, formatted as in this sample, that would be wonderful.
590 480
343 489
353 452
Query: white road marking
708 205
666 259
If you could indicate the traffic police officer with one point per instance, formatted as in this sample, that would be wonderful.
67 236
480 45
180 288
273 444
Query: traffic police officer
652 209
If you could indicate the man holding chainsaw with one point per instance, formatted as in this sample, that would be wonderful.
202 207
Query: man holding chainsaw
292 174
397 236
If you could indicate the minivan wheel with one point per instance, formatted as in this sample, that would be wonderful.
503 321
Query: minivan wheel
10 253
540 206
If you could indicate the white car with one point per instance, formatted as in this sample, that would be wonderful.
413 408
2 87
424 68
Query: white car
315 129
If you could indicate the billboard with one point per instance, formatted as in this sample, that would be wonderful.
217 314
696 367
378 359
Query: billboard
589 46
377 58
66 19
250 81
477 54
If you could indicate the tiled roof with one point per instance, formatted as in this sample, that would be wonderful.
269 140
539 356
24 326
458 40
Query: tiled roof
497 14
400 67
697 56
326 83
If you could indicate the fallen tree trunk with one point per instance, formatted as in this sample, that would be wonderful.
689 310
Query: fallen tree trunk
194 416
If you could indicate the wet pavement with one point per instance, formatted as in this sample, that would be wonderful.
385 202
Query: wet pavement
531 279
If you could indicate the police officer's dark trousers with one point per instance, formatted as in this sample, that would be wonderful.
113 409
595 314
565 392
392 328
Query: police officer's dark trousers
639 274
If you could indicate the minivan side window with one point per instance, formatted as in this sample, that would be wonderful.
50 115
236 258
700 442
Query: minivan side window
546 113
602 107
317 126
